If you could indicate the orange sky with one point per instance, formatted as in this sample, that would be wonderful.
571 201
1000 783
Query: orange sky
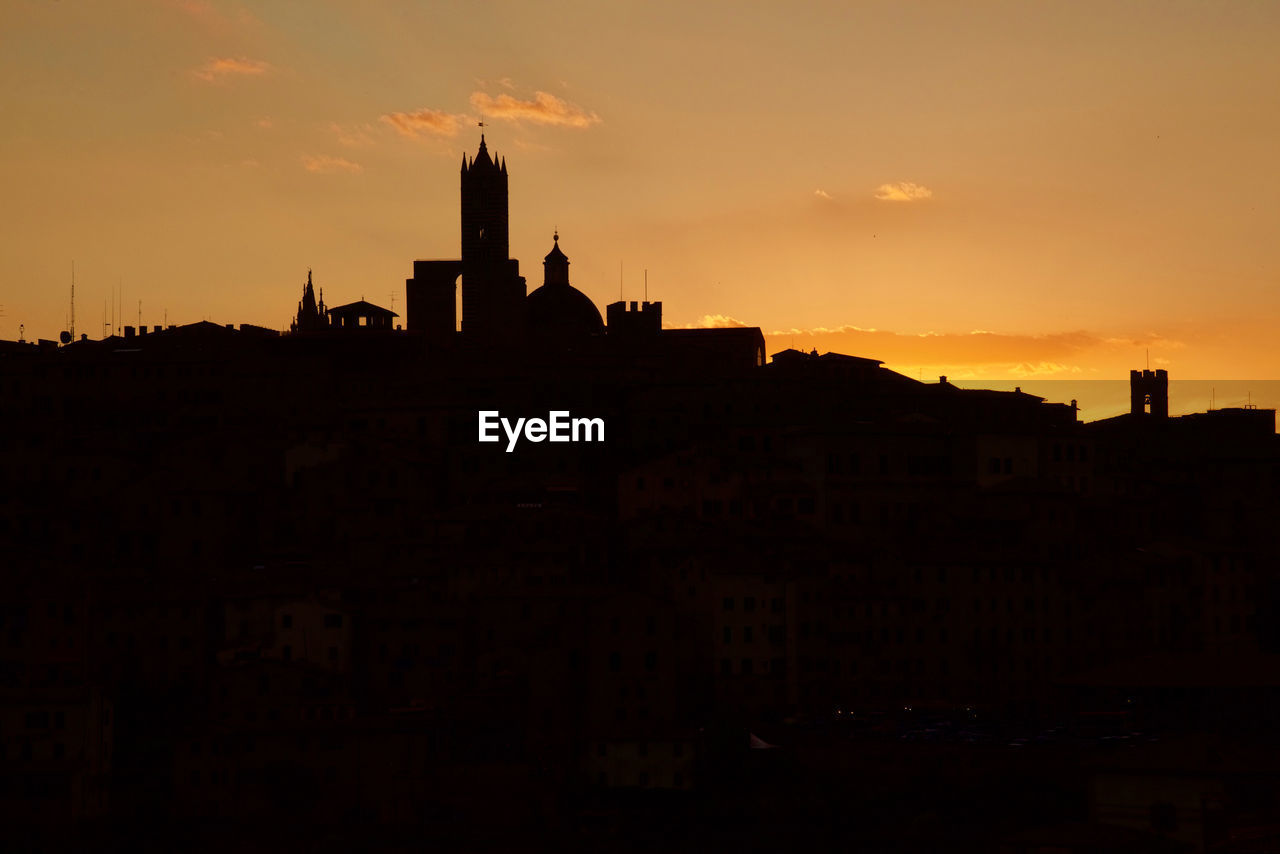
986 190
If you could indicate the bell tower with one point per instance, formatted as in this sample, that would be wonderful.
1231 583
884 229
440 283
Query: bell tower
493 291
484 209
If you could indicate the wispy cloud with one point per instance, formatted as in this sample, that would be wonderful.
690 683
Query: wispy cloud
822 194
1024 370
265 122
324 164
424 122
716 321
218 68
543 109
529 145
903 191
352 136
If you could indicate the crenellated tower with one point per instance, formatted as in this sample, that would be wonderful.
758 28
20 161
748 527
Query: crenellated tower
493 291
485 234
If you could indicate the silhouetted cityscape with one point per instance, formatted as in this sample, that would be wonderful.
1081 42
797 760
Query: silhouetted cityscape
274 590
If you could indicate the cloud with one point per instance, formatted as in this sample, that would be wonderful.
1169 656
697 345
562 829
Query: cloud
718 321
1043 369
528 145
543 109
264 122
218 68
355 136
903 191
822 194
423 122
324 164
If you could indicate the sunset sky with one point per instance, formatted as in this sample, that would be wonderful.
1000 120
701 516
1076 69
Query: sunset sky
984 190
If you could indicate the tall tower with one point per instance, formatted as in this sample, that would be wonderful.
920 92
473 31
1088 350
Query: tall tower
493 291
485 237
1149 393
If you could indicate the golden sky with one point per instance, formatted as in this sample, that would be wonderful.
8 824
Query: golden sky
986 190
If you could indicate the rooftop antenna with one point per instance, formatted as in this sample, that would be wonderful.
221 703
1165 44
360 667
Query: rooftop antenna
139 314
646 284
72 324
620 280
1148 358
393 300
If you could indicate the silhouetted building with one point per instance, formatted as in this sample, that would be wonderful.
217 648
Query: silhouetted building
1149 393
361 315
312 314
559 313
250 576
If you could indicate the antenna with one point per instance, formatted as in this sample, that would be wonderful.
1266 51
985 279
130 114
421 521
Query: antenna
646 284
1148 358
620 280
139 314
72 324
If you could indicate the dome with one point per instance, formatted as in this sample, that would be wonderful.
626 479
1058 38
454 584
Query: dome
563 311
558 309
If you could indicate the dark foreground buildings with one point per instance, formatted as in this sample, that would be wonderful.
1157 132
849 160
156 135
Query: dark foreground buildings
254 582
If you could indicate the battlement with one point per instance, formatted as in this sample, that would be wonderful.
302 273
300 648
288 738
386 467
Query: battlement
1149 393
634 318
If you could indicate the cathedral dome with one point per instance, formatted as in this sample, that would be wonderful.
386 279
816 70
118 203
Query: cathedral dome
563 310
558 308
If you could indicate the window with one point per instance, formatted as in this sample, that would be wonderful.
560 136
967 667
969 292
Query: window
286 621
746 634
728 603
615 662
333 621
749 603
651 661
728 634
